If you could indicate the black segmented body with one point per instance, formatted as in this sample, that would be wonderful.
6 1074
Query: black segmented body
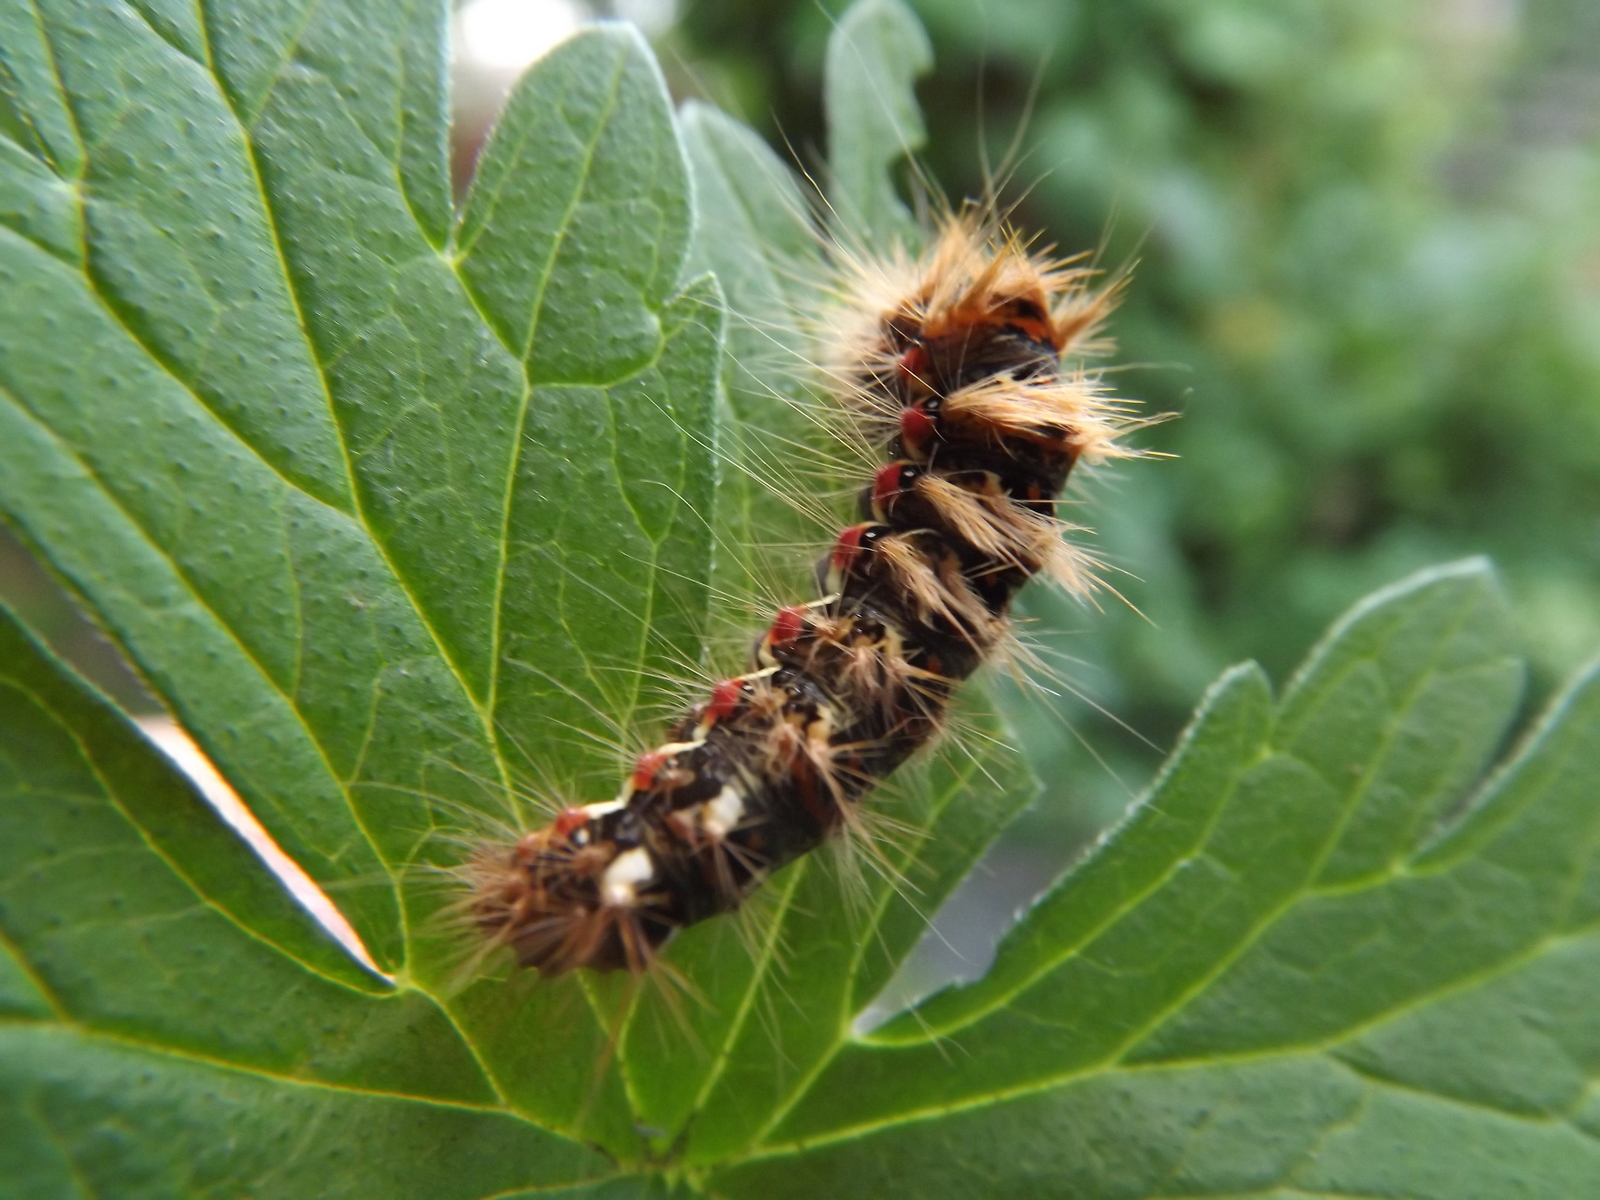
844 689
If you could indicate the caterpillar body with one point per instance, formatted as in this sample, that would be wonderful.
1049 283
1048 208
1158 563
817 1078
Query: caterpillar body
952 365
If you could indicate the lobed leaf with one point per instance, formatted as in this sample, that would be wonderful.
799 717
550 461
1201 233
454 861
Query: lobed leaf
753 228
875 55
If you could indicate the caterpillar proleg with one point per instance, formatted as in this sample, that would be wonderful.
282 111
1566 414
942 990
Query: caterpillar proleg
953 366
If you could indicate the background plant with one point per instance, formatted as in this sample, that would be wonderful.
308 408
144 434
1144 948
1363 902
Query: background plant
391 521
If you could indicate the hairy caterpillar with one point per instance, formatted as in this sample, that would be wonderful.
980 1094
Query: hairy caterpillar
951 365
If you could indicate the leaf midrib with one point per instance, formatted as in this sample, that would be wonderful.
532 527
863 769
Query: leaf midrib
112 796
1269 749
844 1034
46 992
88 1032
161 552
1325 1048
535 312
269 209
270 214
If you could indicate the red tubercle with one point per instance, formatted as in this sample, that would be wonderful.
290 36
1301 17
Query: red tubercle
913 363
725 699
917 429
847 547
886 485
646 767
567 820
787 626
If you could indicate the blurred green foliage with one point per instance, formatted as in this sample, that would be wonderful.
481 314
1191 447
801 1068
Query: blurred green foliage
1368 254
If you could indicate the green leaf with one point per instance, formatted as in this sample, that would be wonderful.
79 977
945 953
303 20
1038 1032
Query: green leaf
608 550
576 227
875 55
754 230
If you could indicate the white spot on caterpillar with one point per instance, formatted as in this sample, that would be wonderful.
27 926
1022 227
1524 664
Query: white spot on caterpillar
619 885
720 815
